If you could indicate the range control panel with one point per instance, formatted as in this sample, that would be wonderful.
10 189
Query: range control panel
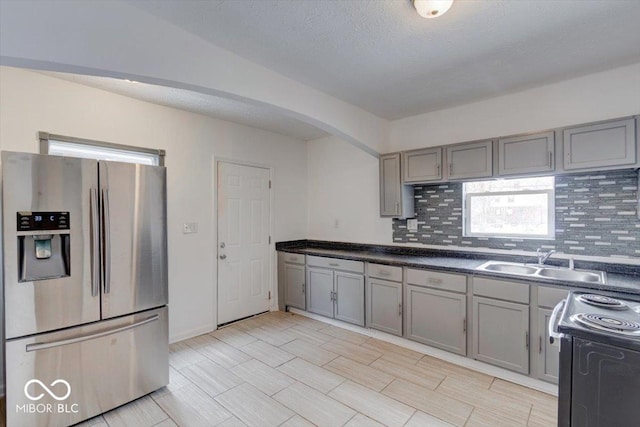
29 221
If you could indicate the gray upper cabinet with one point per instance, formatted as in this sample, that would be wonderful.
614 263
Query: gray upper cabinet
396 199
472 160
603 145
422 165
526 154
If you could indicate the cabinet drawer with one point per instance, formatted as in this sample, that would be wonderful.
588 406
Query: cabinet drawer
292 258
336 264
385 272
498 289
549 297
437 280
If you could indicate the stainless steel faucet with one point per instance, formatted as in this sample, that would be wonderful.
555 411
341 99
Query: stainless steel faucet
542 256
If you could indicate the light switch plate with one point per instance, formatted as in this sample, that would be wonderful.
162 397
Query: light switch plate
412 224
189 227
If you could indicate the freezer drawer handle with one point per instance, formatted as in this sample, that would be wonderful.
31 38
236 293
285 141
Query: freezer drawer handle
43 346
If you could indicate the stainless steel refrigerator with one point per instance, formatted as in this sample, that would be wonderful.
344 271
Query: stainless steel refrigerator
85 286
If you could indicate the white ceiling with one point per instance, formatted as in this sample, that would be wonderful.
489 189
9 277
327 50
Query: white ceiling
221 108
381 56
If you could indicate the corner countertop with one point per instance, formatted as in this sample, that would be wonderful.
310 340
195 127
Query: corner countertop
621 278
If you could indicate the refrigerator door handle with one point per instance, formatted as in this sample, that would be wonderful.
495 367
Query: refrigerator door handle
47 345
106 235
95 243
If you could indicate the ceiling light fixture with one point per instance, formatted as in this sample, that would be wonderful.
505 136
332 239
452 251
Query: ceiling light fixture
432 8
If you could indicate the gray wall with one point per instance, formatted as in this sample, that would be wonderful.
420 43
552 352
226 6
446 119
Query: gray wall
596 214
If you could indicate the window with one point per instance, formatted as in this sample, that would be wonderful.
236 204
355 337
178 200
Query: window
520 208
58 145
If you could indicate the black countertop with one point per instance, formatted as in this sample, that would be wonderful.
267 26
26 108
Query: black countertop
620 277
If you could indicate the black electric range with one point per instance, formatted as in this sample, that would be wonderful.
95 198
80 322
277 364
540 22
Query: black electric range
599 382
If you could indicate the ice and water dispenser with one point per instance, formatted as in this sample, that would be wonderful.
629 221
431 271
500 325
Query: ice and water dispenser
43 245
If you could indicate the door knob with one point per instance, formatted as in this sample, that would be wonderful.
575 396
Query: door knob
223 256
222 245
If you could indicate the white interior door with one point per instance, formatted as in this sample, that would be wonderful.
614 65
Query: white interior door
244 269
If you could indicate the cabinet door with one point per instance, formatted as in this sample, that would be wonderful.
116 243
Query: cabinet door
526 154
396 200
320 291
422 165
602 145
548 354
473 160
437 318
384 306
390 183
294 285
349 296
501 333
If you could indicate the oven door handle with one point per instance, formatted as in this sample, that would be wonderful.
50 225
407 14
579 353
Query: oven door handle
553 335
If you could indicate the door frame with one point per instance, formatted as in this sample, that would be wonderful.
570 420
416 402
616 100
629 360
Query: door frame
273 302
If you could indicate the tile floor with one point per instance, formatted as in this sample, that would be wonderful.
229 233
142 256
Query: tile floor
281 369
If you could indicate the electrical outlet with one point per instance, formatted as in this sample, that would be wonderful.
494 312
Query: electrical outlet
412 224
189 227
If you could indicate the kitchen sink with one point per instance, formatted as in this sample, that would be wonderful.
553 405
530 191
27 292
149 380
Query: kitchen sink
544 272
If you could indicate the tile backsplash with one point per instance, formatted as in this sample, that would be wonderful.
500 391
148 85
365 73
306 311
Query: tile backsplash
595 214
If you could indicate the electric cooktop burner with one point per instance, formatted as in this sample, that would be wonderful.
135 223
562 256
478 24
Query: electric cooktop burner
608 323
603 302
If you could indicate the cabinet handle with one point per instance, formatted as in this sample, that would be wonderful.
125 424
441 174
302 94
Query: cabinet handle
526 339
384 273
400 309
540 345
397 207
335 297
450 168
334 264
331 296
464 326
434 281
303 289
438 169
550 160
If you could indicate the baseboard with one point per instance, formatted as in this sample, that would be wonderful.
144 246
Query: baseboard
466 362
192 333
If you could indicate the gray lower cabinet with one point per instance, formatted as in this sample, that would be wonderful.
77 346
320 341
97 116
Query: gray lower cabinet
294 285
396 199
501 333
336 294
548 354
320 291
437 318
384 305
349 297
609 144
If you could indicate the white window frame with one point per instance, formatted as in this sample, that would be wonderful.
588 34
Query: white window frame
551 215
99 150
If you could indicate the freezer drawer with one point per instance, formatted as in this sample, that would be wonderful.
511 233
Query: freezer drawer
62 378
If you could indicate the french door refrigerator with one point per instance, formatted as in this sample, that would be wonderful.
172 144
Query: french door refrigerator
85 286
